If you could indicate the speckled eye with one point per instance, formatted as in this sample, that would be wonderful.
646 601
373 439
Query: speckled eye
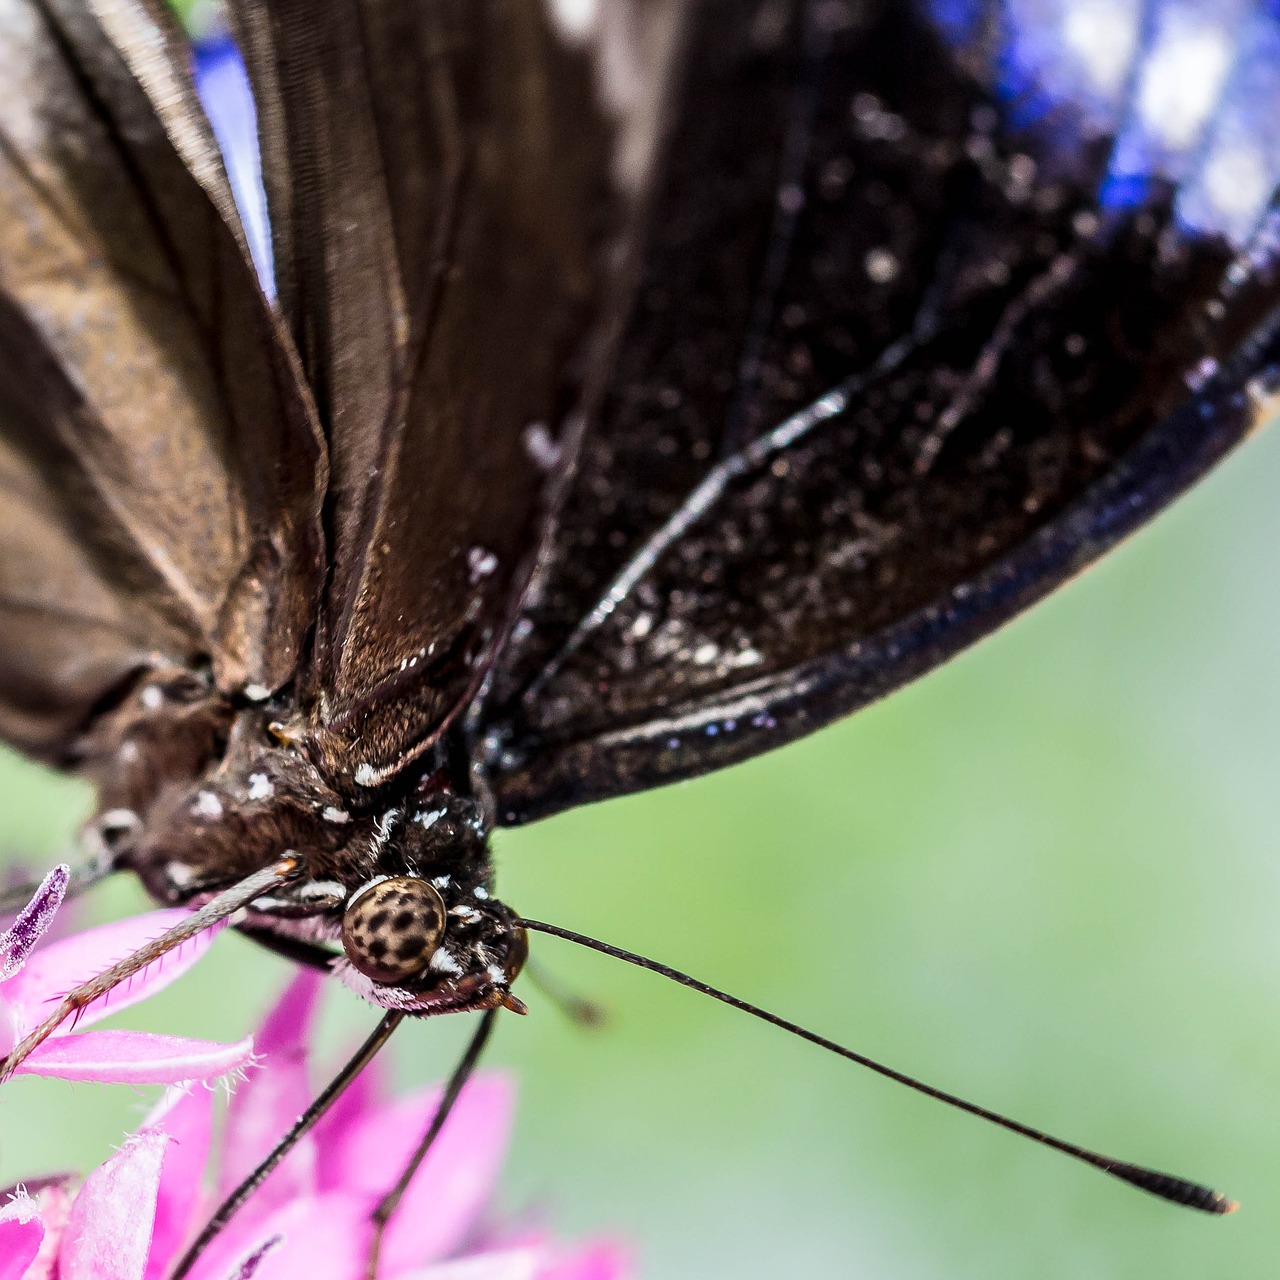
391 929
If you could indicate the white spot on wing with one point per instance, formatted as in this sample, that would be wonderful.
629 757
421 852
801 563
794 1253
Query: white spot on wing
1104 38
260 787
575 18
480 563
322 889
880 265
443 962
1182 78
119 820
541 446
207 805
1236 185
179 874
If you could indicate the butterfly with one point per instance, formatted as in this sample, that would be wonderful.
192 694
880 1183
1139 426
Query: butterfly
612 392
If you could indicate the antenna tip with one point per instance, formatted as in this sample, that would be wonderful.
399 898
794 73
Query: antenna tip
1192 1195
1214 1202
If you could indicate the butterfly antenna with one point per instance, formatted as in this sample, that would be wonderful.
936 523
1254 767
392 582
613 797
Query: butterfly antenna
1167 1187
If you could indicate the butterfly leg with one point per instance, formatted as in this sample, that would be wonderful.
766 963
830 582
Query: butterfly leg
217 909
582 1011
391 1201
298 1130
311 954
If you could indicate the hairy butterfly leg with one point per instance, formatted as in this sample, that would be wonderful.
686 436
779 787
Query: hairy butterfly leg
217 909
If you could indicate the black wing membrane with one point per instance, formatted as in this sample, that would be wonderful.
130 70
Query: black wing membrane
438 177
915 337
161 472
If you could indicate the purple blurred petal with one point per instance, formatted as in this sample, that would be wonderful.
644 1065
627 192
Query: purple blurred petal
453 1185
359 1100
605 1260
108 1234
292 1018
54 970
135 1057
270 1100
322 1238
509 1264
262 1109
186 1116
18 940
21 1234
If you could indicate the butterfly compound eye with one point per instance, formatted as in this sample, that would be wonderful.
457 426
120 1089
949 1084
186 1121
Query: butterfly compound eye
391 928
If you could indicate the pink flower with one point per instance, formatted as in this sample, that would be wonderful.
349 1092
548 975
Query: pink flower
33 980
133 1216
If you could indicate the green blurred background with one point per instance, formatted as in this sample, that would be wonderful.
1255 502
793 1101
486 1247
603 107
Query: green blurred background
1043 877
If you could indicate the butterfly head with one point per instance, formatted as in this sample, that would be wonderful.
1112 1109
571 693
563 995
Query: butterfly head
423 934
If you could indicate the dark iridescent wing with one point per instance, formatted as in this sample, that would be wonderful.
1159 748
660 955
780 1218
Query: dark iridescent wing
160 471
938 302
441 204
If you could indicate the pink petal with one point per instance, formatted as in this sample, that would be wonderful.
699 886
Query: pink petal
135 1057
17 941
321 1238
292 1017
52 971
270 1100
186 1116
108 1234
508 1264
455 1180
358 1100
52 1197
247 1267
21 1233
603 1260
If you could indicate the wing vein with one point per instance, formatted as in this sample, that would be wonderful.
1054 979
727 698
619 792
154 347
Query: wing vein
788 203
708 492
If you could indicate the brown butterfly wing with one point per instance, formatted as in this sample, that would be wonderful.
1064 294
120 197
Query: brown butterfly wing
441 209
162 471
889 377
80 606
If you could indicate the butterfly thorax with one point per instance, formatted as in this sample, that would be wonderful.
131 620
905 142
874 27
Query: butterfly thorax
197 793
